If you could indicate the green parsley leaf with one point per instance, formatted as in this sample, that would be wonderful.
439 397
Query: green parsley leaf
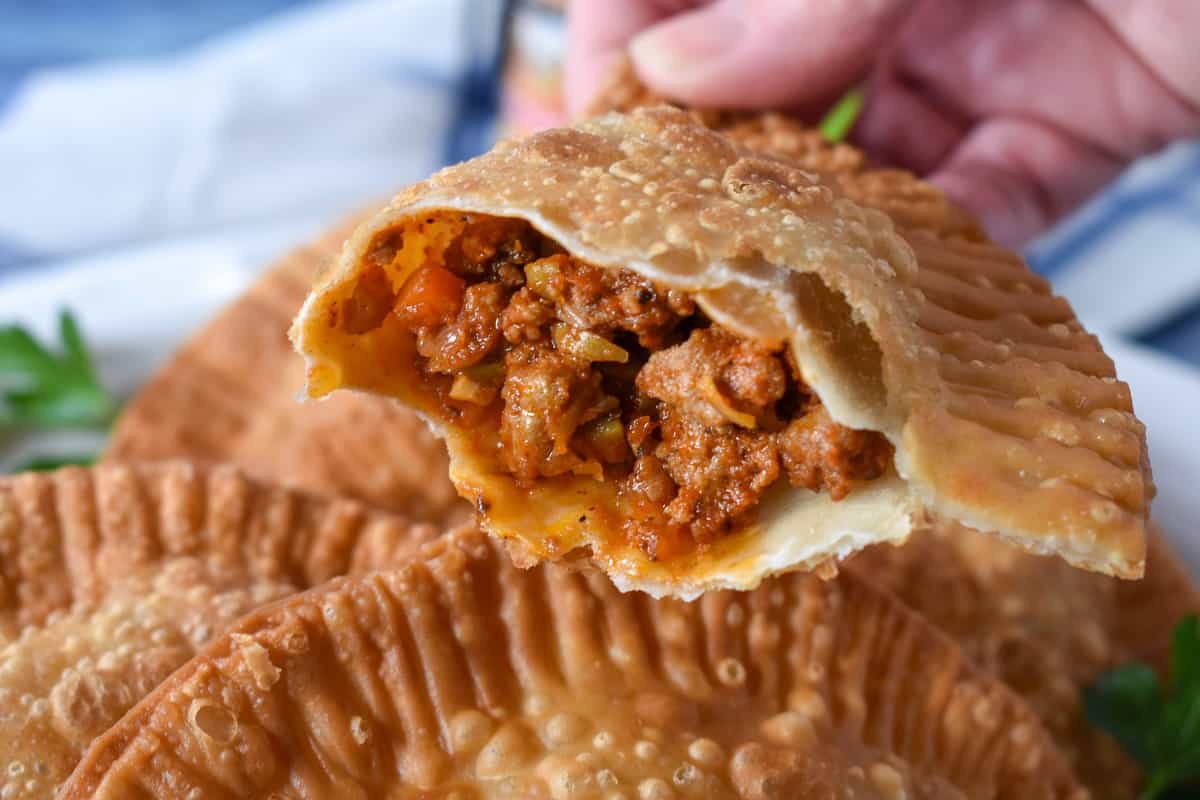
1182 792
837 122
1185 656
49 463
42 390
1126 702
1159 729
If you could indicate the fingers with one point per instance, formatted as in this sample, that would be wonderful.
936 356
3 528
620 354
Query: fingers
1020 175
1163 34
764 53
597 32
901 126
996 60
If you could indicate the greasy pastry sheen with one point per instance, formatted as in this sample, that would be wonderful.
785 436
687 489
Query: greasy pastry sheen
113 577
461 676
705 366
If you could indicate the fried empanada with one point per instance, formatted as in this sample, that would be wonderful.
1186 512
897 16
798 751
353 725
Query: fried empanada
229 396
460 676
113 577
703 366
1044 628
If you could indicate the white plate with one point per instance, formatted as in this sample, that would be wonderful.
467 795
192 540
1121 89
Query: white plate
135 310
1166 395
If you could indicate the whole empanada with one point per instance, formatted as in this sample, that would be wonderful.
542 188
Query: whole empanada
112 577
460 676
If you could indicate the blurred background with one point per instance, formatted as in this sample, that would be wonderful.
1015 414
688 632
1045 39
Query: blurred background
211 135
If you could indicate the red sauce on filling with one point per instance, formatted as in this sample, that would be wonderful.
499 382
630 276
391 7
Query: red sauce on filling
600 372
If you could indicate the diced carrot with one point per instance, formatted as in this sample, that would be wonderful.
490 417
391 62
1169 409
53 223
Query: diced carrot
431 296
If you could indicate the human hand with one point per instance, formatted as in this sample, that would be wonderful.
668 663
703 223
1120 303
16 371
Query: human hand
1018 110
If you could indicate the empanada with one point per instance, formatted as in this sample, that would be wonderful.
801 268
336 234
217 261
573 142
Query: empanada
702 366
113 577
460 676
1043 628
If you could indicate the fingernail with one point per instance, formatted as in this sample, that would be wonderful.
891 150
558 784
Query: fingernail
671 50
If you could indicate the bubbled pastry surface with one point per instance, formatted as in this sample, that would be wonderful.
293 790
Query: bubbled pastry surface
992 599
461 676
112 577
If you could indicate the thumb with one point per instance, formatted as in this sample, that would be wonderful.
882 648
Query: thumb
757 53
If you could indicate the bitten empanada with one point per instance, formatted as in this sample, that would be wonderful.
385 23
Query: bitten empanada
702 365
228 396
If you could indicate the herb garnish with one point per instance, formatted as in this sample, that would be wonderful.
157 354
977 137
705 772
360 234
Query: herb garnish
837 122
1158 726
51 463
44 390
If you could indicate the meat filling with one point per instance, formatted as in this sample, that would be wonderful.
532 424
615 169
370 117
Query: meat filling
601 372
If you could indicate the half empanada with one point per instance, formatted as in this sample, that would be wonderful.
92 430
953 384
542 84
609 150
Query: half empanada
460 676
229 396
111 578
705 366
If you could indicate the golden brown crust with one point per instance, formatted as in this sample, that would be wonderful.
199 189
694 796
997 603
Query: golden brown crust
1007 344
1004 412
912 204
67 536
229 396
1045 629
460 673
63 683
988 596
112 577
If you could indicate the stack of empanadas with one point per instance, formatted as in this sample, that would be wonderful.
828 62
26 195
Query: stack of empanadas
780 481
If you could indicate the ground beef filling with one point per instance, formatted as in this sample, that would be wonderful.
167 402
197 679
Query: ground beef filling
600 372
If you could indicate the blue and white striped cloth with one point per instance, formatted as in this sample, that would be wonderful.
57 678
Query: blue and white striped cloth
136 125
